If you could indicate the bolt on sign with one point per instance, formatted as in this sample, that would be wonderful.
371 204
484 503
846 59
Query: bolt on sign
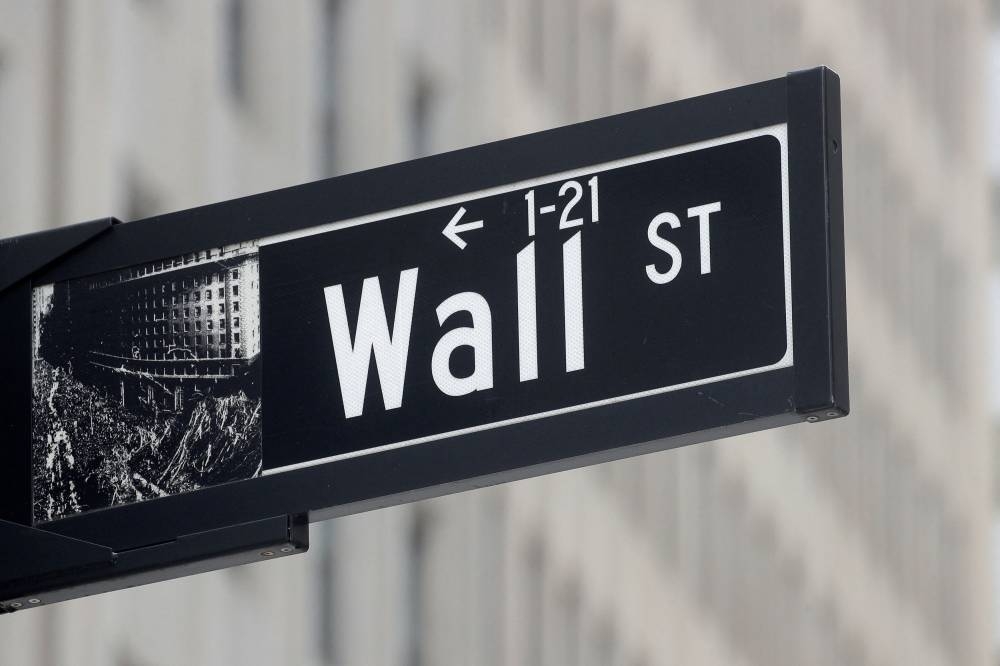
188 392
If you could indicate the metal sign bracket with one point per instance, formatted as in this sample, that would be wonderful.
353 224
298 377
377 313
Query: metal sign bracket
38 567
22 256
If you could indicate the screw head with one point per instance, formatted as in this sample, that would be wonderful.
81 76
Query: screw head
812 419
832 414
267 553
287 549
15 604
34 601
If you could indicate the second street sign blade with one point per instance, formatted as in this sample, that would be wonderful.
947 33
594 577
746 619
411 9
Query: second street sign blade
621 280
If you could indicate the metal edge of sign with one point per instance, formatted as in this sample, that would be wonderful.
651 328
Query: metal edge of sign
818 263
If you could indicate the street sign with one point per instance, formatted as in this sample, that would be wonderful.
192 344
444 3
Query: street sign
541 298
190 391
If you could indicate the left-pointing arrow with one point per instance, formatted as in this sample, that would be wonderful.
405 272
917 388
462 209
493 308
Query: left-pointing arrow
454 228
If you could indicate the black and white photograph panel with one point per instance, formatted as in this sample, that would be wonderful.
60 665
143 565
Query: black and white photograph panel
146 381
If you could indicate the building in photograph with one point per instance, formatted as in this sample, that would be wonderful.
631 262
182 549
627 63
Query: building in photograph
158 332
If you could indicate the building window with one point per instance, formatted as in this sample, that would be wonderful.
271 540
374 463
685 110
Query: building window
141 199
416 575
534 605
197 311
187 327
602 59
197 325
222 338
236 49
236 306
236 322
329 83
236 338
187 313
210 324
222 323
236 274
222 308
211 339
222 292
421 102
208 294
197 296
536 38
208 310
236 290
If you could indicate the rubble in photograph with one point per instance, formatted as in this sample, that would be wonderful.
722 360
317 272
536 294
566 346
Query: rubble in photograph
98 454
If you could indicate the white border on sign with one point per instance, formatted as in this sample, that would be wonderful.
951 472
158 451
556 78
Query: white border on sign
780 132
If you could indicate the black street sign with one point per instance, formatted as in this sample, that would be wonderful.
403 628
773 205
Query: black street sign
572 291
189 391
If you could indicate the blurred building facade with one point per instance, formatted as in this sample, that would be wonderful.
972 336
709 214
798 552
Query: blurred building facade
862 542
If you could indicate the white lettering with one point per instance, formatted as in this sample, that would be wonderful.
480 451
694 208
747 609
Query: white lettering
527 315
664 245
372 336
479 336
702 213
573 302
